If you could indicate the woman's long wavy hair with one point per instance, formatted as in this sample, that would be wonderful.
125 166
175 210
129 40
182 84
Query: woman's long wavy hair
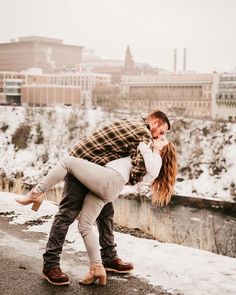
163 185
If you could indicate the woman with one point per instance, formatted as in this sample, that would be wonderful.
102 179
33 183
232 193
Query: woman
161 172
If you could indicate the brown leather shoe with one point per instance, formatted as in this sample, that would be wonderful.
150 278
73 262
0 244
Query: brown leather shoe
55 276
119 266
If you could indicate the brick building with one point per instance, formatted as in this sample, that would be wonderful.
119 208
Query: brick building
48 54
50 95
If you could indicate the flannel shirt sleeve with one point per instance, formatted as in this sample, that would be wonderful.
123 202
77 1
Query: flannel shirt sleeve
138 165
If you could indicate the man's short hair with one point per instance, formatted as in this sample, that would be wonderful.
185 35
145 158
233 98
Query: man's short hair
160 115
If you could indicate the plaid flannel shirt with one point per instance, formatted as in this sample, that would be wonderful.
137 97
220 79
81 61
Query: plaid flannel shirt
116 140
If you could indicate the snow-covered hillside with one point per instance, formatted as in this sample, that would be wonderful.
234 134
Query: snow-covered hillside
33 139
207 153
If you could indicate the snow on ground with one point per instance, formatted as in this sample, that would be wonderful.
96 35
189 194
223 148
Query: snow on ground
191 271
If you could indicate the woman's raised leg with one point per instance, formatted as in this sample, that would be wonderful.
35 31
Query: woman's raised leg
103 181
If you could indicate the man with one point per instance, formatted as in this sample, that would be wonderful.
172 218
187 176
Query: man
115 140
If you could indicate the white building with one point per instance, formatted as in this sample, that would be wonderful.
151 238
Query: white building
224 100
10 87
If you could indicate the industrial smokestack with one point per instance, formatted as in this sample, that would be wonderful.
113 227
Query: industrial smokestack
175 61
184 59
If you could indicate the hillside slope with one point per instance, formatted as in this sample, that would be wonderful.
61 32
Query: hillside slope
33 139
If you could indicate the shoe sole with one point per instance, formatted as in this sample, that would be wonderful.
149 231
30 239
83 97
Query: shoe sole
118 271
55 283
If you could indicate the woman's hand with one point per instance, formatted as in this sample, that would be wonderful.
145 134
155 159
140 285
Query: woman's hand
159 144
144 148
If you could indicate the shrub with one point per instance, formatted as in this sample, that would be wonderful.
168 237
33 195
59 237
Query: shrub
45 157
4 127
205 131
21 136
39 136
233 190
72 125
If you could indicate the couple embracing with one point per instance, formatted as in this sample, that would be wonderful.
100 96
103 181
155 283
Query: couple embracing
122 152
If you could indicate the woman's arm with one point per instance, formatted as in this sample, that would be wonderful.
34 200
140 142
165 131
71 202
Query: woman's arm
152 161
138 166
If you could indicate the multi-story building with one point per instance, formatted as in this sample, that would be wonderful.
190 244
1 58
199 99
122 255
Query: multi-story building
185 94
114 68
71 88
50 95
10 87
48 54
86 80
224 100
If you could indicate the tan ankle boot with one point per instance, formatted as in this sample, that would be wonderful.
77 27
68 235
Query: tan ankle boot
96 271
33 197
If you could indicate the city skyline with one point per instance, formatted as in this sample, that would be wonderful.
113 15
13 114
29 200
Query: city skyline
152 29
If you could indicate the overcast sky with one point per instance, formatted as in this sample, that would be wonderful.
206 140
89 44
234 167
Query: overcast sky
152 28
